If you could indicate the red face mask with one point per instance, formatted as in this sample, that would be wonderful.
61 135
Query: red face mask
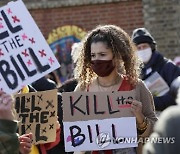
102 67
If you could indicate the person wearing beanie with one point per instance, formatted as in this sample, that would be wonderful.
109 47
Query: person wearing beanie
155 63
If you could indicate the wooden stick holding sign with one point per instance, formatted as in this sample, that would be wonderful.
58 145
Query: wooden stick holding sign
25 55
90 116
37 113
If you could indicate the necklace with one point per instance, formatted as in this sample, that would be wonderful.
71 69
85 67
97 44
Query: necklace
112 84
111 87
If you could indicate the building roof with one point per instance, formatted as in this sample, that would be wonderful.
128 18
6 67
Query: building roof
34 4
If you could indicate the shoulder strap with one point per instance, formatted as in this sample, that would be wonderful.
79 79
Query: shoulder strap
125 86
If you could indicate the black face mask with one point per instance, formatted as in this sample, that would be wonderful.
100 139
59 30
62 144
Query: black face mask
102 67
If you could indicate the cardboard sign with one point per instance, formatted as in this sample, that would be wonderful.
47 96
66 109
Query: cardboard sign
25 55
89 114
37 113
79 106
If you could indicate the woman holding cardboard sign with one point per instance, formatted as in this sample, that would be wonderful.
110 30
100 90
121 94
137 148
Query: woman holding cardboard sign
108 63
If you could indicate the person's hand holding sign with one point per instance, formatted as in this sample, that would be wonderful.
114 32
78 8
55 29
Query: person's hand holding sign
25 143
136 108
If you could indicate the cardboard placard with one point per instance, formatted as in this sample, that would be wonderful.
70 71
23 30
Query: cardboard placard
89 114
25 55
37 113
79 106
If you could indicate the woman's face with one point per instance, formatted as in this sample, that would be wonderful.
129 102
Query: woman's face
100 51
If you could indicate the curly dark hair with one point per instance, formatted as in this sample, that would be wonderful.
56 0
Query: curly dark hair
123 50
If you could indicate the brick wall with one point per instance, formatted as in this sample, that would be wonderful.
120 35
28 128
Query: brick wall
127 14
162 19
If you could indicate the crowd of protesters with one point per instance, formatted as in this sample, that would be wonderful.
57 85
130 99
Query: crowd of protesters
108 60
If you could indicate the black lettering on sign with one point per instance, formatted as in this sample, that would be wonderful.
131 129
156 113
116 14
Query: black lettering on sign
40 67
44 118
33 105
4 44
17 104
38 135
8 75
12 43
10 27
87 105
23 117
34 116
24 109
90 134
109 107
74 139
113 132
97 129
121 100
73 105
29 73
95 107
4 35
17 68
129 98
23 129
17 41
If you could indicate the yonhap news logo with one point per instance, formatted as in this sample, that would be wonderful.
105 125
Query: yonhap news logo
104 139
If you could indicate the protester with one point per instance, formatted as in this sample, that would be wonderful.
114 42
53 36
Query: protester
9 143
25 143
43 84
47 84
68 86
9 140
108 62
59 148
165 69
166 130
53 76
24 139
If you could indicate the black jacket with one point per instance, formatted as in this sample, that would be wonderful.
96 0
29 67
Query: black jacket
46 84
168 72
